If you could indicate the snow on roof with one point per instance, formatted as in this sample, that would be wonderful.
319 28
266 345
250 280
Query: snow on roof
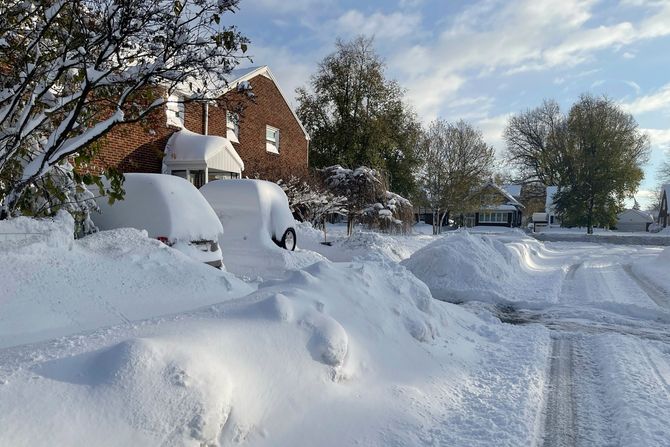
633 214
240 73
216 151
549 202
666 188
510 200
513 190
540 217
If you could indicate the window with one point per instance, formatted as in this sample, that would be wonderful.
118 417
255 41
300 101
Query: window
493 217
222 175
272 139
175 111
233 125
181 174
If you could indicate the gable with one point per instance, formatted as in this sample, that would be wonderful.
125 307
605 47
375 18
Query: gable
240 76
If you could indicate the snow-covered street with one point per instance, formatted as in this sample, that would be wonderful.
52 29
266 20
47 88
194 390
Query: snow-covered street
551 344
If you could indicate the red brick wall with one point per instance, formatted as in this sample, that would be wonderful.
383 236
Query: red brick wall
139 147
269 108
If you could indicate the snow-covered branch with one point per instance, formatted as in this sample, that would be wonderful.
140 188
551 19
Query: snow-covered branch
71 71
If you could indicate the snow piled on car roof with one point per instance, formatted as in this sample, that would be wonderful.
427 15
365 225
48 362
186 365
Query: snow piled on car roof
163 205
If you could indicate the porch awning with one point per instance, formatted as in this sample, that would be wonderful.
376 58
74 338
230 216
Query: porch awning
186 148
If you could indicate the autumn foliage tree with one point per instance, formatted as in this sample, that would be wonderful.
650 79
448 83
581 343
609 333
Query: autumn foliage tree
594 154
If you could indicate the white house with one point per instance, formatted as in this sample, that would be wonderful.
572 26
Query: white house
550 207
633 220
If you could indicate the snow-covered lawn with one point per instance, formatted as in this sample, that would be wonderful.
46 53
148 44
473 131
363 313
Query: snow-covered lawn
120 340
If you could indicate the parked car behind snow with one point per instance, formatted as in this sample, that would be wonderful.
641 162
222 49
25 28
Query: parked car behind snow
253 213
171 210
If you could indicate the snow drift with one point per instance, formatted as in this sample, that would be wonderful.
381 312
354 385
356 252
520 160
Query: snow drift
464 267
54 285
334 354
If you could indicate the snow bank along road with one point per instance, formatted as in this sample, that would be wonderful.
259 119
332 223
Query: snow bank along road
609 368
110 346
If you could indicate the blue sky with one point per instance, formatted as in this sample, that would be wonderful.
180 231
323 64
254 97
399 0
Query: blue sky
486 59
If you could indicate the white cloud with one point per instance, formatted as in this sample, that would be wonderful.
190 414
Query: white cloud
659 100
634 85
427 93
291 71
285 6
382 26
660 139
492 129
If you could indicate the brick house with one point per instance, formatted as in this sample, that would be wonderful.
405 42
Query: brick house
237 134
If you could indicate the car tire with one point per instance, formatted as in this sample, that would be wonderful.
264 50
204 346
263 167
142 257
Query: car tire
288 240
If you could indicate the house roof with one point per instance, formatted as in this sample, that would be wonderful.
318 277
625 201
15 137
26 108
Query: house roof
235 78
240 75
666 189
217 152
510 200
639 215
513 190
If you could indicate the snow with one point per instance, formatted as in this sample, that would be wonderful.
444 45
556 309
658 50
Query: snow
500 268
513 190
190 146
253 212
53 285
163 205
655 271
549 200
343 347
329 355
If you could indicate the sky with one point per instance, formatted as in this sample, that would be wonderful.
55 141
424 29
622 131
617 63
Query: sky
484 60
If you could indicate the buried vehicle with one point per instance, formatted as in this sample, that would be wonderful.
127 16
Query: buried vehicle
171 210
254 213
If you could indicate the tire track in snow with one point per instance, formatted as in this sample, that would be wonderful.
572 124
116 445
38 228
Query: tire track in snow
655 294
653 366
559 425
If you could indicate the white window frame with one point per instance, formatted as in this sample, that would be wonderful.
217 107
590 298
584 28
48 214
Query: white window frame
233 127
174 111
493 217
272 144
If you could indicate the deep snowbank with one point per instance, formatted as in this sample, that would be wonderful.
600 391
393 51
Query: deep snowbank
53 285
360 244
332 355
654 270
465 267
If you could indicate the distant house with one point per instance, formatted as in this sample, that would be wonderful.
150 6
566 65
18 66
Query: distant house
495 207
663 211
227 136
633 220
550 207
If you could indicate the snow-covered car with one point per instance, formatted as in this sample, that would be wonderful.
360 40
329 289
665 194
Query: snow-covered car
253 213
171 210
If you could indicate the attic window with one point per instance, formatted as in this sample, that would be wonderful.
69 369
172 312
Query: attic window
272 139
175 111
233 127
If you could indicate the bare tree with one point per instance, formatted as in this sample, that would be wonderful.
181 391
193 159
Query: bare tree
535 142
